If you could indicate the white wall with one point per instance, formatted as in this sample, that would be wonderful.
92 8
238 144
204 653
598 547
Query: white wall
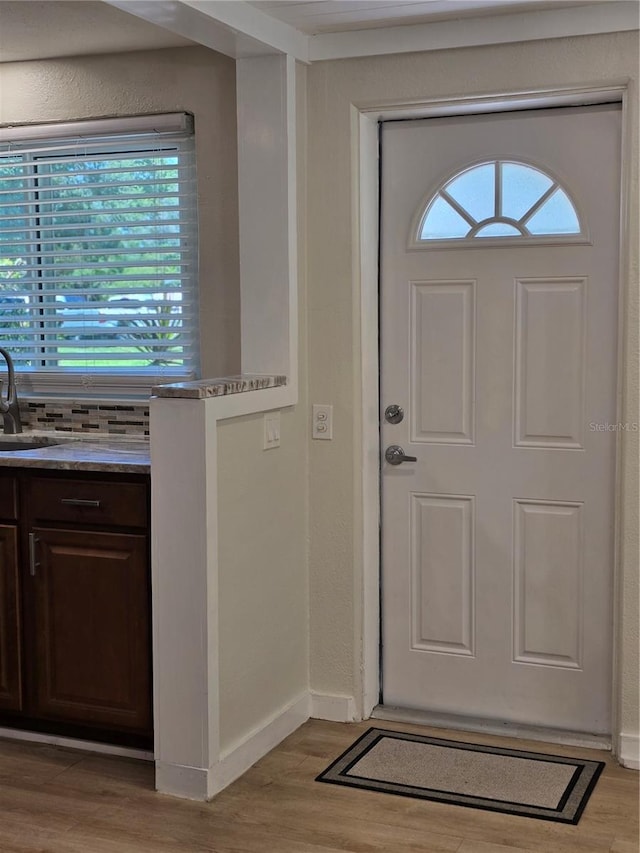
262 581
333 300
191 79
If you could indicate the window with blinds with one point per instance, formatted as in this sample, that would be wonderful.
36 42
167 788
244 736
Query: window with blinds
98 252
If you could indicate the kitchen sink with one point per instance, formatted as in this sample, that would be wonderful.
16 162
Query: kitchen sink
31 444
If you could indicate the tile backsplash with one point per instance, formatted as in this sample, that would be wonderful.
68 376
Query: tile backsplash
81 416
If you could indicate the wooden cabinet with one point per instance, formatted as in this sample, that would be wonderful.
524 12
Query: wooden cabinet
10 645
91 628
87 502
77 578
10 672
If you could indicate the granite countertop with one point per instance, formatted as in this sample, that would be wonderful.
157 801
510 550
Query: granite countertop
78 452
202 388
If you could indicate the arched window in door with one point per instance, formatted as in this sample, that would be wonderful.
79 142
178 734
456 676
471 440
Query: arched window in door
499 199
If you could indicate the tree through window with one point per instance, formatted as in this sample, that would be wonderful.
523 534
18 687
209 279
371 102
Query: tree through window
98 254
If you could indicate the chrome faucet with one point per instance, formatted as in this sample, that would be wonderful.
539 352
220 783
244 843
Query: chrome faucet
9 407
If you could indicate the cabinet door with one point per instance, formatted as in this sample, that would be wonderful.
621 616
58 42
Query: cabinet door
91 609
10 686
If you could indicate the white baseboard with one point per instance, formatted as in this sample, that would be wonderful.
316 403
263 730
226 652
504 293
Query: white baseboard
629 751
237 759
190 783
337 709
73 743
201 783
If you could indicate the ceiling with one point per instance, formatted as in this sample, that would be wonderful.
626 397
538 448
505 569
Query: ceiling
41 29
332 16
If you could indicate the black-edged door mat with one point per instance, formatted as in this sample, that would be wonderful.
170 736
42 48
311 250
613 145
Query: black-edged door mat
512 781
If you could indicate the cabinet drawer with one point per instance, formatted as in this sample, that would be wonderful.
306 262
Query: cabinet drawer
88 502
8 498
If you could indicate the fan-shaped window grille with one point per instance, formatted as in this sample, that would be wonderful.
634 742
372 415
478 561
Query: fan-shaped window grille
499 199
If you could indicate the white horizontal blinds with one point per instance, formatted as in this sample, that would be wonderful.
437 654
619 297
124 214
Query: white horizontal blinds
98 252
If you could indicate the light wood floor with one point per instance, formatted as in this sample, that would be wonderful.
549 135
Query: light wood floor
61 801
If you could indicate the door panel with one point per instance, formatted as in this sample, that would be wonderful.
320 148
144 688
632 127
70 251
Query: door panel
442 573
442 329
548 571
550 362
497 542
92 628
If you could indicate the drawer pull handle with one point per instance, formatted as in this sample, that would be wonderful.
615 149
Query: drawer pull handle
78 502
33 563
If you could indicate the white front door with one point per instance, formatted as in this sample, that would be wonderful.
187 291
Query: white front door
499 271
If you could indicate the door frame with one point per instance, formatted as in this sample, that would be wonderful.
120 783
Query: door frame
365 152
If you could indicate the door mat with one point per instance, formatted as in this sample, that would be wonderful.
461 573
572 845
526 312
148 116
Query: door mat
512 781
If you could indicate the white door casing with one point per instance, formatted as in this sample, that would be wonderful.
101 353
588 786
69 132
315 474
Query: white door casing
498 542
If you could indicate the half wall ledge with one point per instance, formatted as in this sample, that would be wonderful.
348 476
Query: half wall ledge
202 388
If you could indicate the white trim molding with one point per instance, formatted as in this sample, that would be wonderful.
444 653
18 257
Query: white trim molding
188 783
237 759
476 31
629 751
337 709
199 783
365 201
235 29
239 29
256 31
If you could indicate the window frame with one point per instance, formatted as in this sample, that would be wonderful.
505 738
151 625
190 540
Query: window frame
135 383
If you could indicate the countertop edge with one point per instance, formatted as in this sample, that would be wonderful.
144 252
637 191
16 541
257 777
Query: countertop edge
105 455
14 461
200 389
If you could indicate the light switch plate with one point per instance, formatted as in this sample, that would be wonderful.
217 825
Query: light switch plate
271 430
